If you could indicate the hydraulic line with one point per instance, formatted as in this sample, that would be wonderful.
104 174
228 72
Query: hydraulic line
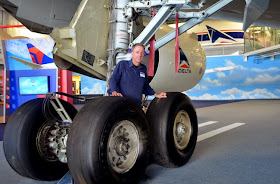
46 104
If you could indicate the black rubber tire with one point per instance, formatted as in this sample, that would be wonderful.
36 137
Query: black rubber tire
89 135
20 142
161 116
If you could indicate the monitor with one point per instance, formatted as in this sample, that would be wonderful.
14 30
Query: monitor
33 85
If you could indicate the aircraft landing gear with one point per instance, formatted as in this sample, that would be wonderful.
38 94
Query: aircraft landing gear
109 141
31 144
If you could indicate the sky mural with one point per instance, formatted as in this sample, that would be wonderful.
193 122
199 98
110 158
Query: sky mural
254 79
18 48
92 86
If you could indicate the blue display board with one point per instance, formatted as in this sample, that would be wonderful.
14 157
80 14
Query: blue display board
30 71
33 85
16 97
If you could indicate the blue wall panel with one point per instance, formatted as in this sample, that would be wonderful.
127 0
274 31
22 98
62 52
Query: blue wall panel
19 62
17 99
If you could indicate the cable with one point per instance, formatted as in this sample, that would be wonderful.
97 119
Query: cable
46 109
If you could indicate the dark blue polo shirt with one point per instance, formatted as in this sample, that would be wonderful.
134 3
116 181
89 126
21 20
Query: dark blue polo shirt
131 81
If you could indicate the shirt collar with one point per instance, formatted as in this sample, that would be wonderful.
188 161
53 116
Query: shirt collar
130 64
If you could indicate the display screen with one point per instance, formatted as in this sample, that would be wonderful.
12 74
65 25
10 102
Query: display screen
33 85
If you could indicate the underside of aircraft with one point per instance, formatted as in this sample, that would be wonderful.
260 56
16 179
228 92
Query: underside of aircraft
30 13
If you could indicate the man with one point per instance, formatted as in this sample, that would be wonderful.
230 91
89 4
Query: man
129 78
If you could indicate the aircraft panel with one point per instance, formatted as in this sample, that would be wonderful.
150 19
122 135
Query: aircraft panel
42 15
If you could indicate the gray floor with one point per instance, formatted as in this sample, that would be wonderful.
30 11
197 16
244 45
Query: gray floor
249 153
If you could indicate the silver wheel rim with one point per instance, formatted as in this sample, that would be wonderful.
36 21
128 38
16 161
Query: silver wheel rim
42 141
182 130
51 141
123 146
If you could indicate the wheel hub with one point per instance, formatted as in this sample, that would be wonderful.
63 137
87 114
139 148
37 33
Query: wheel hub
182 130
51 141
123 146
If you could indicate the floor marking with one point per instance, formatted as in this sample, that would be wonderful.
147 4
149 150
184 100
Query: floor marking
218 131
206 123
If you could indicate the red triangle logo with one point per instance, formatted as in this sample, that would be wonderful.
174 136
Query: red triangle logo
184 66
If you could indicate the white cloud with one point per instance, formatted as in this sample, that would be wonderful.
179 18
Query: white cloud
208 82
230 63
233 91
262 79
237 75
205 97
96 89
198 87
259 94
221 75
230 97
19 47
272 69
256 94
45 45
85 90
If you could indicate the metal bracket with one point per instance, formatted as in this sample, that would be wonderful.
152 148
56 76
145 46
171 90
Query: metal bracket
189 24
60 109
187 15
182 15
162 15
186 4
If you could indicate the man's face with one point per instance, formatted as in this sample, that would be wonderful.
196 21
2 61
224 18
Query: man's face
137 55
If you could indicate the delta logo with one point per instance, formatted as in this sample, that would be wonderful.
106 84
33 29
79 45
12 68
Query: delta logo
184 66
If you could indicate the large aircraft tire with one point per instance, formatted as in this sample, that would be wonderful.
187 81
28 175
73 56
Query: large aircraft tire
21 146
108 142
173 126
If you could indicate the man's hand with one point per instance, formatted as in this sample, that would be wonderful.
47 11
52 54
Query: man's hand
161 95
115 93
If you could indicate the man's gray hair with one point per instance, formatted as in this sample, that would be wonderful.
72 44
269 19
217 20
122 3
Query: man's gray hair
137 44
